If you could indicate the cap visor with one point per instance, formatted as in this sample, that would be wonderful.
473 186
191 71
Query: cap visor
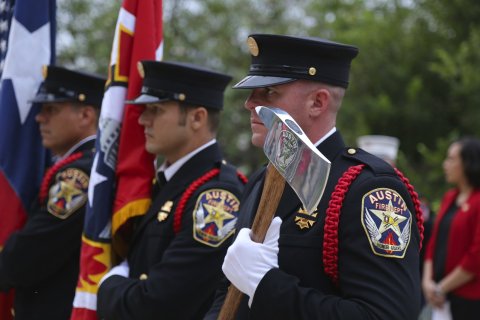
250 82
145 98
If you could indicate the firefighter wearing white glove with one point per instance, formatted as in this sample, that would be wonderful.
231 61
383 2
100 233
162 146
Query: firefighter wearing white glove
247 262
120 270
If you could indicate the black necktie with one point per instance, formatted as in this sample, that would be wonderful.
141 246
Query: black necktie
161 180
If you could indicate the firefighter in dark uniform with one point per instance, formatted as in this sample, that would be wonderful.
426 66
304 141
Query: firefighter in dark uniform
174 263
41 261
357 256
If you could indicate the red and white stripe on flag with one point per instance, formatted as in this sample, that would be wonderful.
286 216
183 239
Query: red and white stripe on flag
138 36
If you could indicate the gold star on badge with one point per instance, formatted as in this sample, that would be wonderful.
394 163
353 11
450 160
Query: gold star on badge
390 220
217 214
67 191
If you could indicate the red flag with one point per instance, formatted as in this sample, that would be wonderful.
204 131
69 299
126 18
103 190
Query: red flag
120 159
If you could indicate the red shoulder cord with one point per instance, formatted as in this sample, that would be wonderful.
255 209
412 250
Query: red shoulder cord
330 237
416 203
47 178
330 229
177 217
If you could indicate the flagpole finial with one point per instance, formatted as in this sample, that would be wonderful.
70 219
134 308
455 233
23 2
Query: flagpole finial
141 71
44 71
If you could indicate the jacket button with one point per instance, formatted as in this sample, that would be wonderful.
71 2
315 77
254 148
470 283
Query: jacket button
143 276
351 151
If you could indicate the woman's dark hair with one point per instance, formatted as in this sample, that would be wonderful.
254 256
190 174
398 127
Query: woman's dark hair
470 155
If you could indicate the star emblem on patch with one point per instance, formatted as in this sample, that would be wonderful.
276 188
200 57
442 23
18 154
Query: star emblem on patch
387 222
215 216
68 193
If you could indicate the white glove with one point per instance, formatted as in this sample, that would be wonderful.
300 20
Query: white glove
247 262
120 270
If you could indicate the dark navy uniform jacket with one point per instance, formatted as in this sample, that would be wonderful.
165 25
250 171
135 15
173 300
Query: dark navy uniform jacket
174 275
41 261
371 285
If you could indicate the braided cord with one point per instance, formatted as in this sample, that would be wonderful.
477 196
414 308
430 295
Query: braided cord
330 240
47 178
416 203
177 218
330 236
242 177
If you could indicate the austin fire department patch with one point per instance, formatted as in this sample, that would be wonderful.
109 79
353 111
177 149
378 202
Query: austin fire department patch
215 216
387 222
68 193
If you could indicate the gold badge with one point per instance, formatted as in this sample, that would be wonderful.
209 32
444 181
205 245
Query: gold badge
141 71
82 97
305 220
182 96
68 193
312 71
162 215
252 46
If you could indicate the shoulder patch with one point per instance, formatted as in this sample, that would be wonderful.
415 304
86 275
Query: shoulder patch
215 216
387 222
68 193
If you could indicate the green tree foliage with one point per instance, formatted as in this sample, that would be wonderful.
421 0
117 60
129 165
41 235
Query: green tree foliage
85 33
416 77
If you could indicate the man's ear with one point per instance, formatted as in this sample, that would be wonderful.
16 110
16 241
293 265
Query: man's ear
198 117
88 115
319 102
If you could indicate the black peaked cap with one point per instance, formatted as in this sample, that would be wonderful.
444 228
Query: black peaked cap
183 82
62 85
278 59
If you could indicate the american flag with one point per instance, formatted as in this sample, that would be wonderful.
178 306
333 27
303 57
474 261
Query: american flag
122 171
27 41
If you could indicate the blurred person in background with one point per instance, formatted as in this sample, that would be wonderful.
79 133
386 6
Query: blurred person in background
386 148
452 260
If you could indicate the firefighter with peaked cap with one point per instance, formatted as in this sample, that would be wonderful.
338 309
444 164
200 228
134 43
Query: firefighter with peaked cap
174 263
357 255
41 261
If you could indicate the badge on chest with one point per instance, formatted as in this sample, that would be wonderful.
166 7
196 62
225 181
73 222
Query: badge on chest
165 210
305 220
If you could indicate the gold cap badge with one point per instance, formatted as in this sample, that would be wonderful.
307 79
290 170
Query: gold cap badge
182 96
81 97
312 71
252 46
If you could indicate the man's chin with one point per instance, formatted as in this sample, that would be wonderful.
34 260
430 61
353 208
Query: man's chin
258 140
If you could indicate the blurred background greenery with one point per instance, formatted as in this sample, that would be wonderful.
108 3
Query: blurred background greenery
417 75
